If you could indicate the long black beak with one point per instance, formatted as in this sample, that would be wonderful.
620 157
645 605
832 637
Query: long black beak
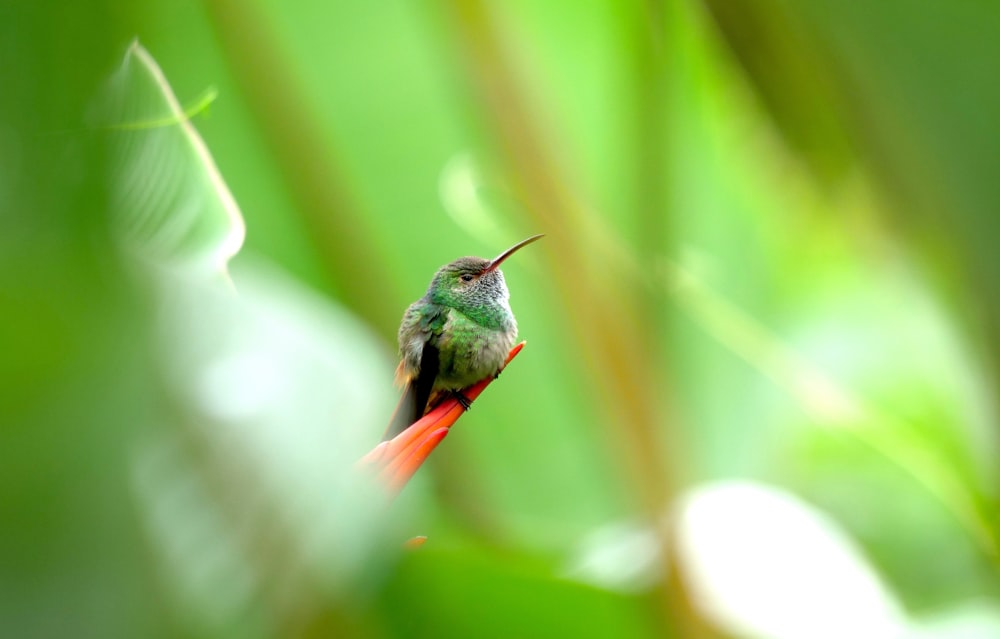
496 261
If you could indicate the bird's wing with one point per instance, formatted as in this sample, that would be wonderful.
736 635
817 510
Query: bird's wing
418 338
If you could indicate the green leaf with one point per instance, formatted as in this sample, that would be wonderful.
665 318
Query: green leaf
470 593
170 203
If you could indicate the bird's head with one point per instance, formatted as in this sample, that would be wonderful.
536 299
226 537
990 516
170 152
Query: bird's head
471 282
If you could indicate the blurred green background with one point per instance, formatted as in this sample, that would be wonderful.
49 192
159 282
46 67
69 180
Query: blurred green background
759 393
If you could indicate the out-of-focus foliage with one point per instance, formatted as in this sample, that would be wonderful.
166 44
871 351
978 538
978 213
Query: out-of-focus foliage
171 204
768 261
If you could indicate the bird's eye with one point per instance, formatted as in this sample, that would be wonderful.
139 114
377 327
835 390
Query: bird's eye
467 277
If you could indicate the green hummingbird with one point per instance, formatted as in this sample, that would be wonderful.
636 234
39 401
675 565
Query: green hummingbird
457 334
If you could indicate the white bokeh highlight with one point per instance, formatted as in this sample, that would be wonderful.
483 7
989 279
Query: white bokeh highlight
763 563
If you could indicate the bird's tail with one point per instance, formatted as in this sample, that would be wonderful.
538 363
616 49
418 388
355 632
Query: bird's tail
403 415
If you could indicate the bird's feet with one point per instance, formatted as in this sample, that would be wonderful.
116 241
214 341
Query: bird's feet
462 399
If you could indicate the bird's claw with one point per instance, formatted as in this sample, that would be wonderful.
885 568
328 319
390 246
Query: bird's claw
465 402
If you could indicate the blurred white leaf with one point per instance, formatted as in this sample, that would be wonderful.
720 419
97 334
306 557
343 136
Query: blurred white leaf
249 490
170 203
762 563
278 392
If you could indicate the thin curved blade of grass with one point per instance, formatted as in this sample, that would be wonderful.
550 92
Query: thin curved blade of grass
398 459
170 202
828 402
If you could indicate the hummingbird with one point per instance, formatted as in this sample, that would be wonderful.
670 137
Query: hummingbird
457 334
